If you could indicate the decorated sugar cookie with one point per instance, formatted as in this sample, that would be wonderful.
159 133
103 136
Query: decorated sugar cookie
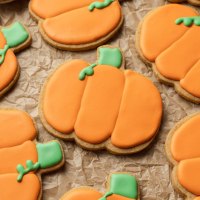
101 106
182 147
22 159
13 38
77 25
193 2
169 41
121 186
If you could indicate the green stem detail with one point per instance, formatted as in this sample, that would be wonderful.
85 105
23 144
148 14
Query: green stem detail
3 53
107 194
88 71
30 167
188 21
124 185
99 5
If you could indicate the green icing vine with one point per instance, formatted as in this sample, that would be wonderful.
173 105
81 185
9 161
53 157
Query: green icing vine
30 167
3 53
107 56
188 21
88 71
99 5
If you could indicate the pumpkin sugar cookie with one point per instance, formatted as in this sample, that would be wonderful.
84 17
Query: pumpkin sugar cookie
13 39
182 147
121 186
22 159
167 40
101 106
77 25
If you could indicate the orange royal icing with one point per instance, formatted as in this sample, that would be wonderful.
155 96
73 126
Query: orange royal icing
12 38
50 8
72 23
16 127
188 175
185 149
83 193
12 156
10 189
90 26
185 141
173 48
130 120
56 108
99 110
112 103
2 40
8 68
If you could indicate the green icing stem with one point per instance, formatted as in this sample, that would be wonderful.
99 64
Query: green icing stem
88 71
3 53
188 21
99 5
49 155
15 35
107 56
110 56
23 171
124 185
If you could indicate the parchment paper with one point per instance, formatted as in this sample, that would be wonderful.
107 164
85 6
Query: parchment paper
91 168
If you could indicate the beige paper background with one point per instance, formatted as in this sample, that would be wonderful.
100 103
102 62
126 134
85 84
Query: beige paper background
83 167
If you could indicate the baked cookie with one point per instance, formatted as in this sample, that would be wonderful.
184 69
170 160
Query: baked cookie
22 159
13 38
77 25
172 48
121 186
193 2
182 147
100 106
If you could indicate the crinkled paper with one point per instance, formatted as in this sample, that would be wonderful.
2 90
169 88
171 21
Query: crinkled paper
91 168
